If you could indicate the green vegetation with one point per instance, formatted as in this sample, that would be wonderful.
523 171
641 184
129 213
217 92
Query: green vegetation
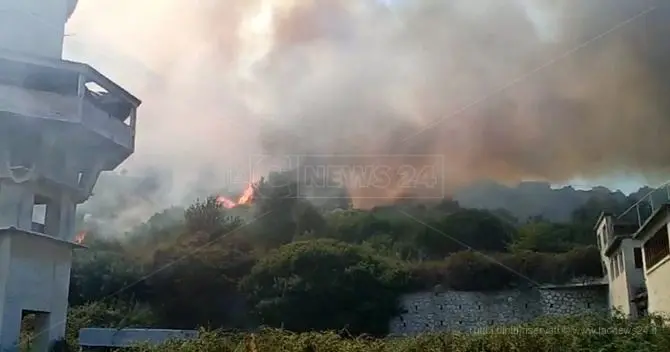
583 334
304 269
586 333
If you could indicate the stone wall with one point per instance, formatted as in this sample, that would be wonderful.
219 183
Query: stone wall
468 311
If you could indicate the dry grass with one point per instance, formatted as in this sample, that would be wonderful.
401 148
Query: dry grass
565 334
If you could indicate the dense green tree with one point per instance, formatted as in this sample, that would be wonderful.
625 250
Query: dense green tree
295 265
324 285
465 229
543 236
206 216
197 284
103 274
281 215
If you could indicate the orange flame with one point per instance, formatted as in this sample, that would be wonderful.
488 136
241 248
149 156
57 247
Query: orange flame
246 198
80 237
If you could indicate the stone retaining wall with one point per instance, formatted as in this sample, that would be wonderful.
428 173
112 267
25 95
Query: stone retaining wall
470 311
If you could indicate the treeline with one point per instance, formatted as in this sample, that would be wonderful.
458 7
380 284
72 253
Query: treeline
290 264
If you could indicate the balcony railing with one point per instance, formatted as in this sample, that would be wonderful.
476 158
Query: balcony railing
67 91
647 204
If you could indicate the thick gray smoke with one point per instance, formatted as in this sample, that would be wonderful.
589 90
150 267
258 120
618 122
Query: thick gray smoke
502 89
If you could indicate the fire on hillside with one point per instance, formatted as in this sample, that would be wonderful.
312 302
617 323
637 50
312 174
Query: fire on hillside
246 198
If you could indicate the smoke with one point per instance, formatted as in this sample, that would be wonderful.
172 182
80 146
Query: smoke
499 89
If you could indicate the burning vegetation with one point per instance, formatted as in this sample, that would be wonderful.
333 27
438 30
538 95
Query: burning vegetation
247 197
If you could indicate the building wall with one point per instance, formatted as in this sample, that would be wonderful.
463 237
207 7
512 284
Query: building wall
603 231
33 27
619 294
624 286
658 280
658 288
35 276
468 311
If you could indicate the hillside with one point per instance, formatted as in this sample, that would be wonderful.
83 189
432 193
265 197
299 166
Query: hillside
124 201
529 199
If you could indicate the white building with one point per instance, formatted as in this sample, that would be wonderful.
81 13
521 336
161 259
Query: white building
635 259
57 133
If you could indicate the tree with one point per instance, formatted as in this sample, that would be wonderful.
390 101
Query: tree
281 214
206 216
197 285
465 229
325 285
99 274
543 236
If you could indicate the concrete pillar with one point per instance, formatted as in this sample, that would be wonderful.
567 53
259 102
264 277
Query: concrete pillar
60 218
17 289
10 327
16 205
51 326
6 330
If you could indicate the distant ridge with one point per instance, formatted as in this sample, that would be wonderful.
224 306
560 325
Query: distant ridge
529 199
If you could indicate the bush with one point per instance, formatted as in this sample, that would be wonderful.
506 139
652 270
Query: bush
546 335
324 285
475 271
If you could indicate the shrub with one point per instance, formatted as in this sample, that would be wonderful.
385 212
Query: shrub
475 271
545 335
325 284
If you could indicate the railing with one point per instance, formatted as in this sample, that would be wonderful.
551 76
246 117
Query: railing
65 90
647 204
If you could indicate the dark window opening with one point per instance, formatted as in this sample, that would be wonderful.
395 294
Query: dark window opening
642 310
637 253
656 248
107 102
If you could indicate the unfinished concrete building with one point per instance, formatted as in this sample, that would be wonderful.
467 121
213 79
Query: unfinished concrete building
61 124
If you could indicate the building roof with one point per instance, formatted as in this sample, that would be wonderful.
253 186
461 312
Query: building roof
662 211
13 230
69 67
109 337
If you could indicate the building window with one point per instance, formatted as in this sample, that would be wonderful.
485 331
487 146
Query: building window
637 253
620 262
656 248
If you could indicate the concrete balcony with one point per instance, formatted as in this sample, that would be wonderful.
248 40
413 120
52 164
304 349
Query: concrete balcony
58 92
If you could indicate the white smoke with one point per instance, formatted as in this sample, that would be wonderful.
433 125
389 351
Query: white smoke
229 80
